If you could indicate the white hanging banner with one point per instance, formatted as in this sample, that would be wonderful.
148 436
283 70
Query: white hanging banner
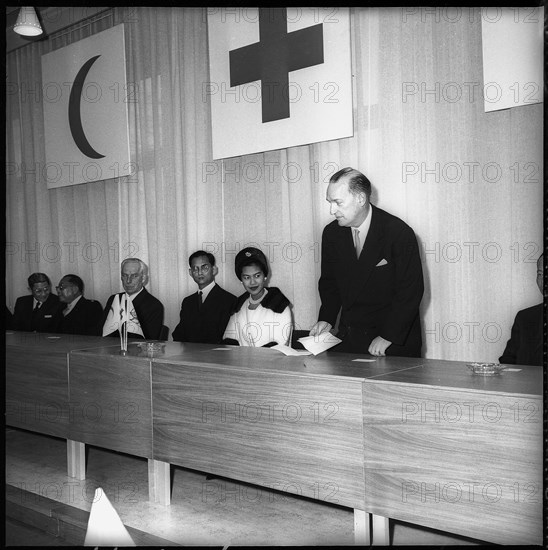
85 97
512 42
280 77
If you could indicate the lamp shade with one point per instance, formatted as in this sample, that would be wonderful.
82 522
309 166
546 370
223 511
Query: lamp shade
27 22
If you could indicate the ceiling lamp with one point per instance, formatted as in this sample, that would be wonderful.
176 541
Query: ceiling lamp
27 22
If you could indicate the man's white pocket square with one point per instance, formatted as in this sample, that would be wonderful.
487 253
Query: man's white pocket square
382 262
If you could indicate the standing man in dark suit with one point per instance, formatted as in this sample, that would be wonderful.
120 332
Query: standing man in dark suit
145 312
525 344
79 315
371 273
38 312
204 314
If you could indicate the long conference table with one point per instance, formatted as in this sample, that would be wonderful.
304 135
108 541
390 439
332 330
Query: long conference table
418 440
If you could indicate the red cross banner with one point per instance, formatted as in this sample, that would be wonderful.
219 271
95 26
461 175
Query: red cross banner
279 77
85 98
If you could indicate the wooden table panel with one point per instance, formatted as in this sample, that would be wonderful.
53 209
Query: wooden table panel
36 380
467 461
300 434
111 400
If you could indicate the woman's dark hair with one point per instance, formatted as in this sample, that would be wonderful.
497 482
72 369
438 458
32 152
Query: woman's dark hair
250 256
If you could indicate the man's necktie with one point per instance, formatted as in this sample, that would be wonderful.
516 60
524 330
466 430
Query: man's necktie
200 300
35 318
357 242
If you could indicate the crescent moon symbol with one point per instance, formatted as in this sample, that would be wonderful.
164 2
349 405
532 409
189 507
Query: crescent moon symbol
75 116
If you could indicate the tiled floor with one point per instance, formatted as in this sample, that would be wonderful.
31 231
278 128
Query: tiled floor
203 512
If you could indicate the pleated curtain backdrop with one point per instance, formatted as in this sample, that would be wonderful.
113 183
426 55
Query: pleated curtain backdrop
468 183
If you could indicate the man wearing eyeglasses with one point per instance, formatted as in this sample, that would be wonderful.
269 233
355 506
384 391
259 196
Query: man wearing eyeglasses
37 312
144 312
79 315
204 314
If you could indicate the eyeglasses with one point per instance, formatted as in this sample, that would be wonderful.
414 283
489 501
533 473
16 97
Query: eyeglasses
203 268
130 276
62 287
40 290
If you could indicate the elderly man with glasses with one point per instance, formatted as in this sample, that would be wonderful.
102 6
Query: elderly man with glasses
79 315
144 312
204 314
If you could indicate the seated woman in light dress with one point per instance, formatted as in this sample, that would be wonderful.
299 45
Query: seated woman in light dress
261 316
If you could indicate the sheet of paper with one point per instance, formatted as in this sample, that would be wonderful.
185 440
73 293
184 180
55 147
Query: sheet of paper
319 343
512 370
365 360
286 350
220 349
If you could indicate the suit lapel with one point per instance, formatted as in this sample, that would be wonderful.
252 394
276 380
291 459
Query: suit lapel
212 294
196 303
78 305
135 301
138 300
347 253
368 258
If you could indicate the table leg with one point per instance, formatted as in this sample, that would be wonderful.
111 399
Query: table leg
159 482
76 459
381 531
362 532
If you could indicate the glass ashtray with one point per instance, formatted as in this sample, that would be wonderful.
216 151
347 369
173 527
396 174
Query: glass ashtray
486 369
152 348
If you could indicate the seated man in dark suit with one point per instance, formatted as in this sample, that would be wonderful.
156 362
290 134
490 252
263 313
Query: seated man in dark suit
79 315
204 314
145 312
525 344
37 312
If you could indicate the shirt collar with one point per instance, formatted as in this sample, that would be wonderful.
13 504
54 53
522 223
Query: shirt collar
70 306
206 290
133 296
366 224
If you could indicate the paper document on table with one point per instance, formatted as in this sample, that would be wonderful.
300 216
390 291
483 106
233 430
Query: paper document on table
365 360
290 351
320 342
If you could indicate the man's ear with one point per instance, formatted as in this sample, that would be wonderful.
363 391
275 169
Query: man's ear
215 270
